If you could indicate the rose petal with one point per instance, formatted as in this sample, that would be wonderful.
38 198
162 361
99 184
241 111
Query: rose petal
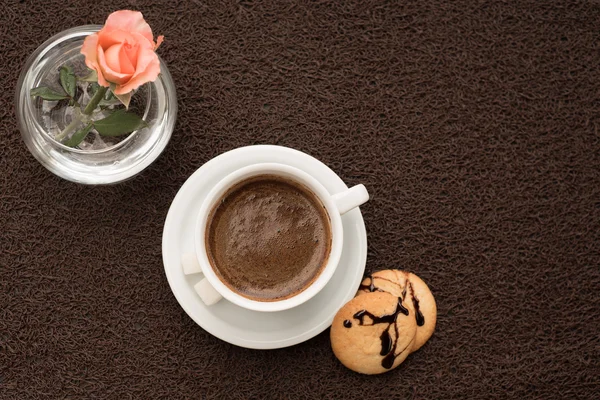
110 38
89 49
130 21
149 75
141 40
112 58
125 63
139 43
159 41
109 74
131 50
147 70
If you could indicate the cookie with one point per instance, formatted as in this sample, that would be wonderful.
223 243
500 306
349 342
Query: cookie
373 333
415 293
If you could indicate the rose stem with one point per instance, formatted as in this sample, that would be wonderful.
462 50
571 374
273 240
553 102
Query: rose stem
89 109
91 106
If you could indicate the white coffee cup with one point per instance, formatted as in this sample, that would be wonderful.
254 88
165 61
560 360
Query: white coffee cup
211 289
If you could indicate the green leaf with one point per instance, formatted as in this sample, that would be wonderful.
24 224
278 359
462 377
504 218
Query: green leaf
119 123
47 94
79 136
123 98
91 77
68 80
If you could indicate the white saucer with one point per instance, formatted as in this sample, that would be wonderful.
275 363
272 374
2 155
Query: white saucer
236 325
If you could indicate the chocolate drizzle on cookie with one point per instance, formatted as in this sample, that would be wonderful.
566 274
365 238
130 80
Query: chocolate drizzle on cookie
388 344
370 287
418 315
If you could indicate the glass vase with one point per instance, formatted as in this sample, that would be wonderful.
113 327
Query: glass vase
97 160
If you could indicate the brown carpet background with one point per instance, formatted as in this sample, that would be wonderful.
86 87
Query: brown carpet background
474 125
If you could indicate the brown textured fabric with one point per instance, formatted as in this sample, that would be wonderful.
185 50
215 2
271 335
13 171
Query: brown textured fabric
473 124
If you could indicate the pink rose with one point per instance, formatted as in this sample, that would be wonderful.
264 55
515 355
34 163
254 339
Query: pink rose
122 52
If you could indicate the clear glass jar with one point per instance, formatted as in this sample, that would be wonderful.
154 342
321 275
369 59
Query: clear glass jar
97 160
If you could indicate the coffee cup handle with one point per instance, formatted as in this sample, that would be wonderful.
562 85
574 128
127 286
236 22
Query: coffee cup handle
351 198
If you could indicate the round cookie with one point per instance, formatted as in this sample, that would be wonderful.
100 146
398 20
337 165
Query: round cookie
416 294
388 280
372 333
